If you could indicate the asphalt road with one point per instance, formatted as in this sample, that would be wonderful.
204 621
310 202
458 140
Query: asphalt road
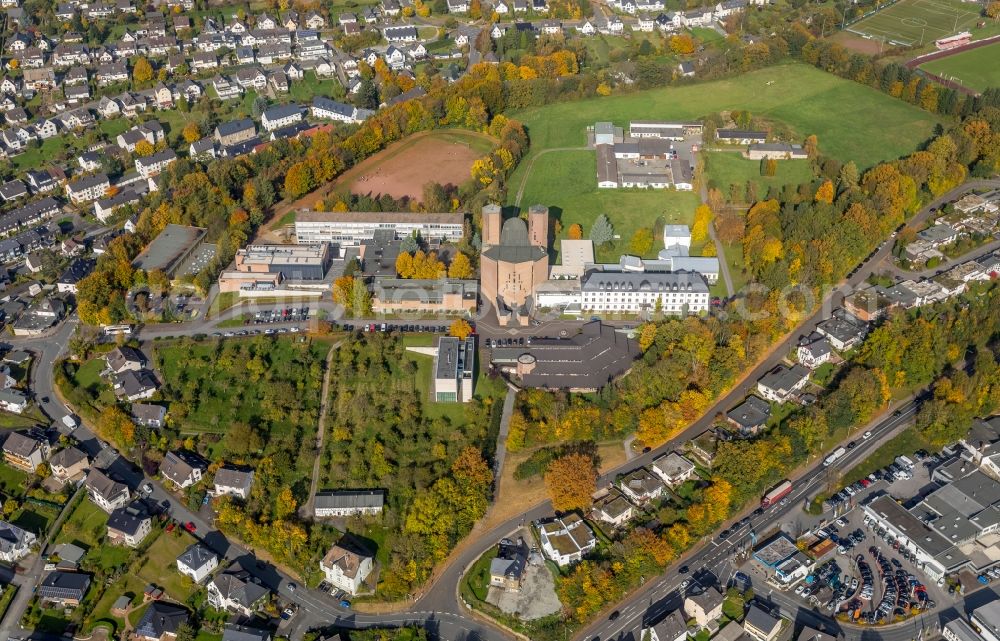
663 594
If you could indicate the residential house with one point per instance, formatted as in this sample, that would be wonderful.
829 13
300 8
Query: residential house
160 622
759 625
236 590
400 34
129 525
507 568
740 136
152 165
333 110
15 543
63 589
41 181
134 386
235 132
68 465
204 148
13 401
197 562
750 416
233 481
566 540
235 632
281 116
614 508
346 566
149 415
843 330
705 607
182 468
315 21
25 451
782 382
88 188
12 190
252 78
641 486
672 628
348 503
814 350
124 358
673 468
108 494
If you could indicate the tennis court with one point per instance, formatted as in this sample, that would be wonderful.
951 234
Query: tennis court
909 22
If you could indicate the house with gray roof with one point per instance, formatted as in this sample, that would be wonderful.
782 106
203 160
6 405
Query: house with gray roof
182 468
348 503
197 562
160 622
782 382
64 589
15 543
231 480
236 590
234 632
750 415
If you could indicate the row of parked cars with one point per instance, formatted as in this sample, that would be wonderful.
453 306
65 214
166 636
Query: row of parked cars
896 471
287 315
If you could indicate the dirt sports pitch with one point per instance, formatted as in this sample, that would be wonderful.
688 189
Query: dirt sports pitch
402 169
915 22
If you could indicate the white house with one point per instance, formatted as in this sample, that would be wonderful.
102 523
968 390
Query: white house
281 116
673 468
15 543
233 481
348 503
197 562
782 382
814 350
567 540
346 567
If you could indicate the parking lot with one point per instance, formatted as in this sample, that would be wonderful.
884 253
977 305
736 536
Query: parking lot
870 577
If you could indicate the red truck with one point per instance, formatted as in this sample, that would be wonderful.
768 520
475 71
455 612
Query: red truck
780 491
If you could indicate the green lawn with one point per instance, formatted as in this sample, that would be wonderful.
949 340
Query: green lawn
35 518
566 181
731 168
304 90
477 580
977 68
29 418
85 526
808 100
919 22
12 480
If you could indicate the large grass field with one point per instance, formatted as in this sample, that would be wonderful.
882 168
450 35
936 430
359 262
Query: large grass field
727 168
566 181
976 68
917 22
839 112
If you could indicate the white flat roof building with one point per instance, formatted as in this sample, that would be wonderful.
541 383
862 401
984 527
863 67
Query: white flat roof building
353 227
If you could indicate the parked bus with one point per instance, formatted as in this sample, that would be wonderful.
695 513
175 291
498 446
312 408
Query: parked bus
114 330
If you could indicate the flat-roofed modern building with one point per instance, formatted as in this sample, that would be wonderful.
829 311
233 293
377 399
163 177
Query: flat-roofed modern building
297 262
170 249
443 295
987 619
454 369
350 228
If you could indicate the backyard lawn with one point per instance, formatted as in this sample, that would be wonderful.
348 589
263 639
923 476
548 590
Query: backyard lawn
566 181
808 100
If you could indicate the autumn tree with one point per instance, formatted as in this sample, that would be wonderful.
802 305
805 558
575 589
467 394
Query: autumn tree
571 482
143 148
993 9
115 426
825 193
191 132
142 72
699 228
460 329
642 241
461 266
682 44
575 232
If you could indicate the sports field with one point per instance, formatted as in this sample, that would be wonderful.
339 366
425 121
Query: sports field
917 22
403 168
977 69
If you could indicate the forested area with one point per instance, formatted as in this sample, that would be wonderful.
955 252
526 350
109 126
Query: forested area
384 432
